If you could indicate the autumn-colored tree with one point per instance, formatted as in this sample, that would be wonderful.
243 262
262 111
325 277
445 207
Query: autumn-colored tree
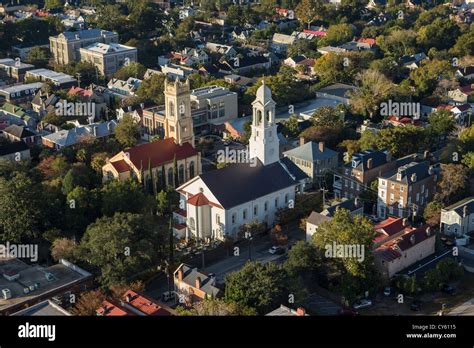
432 213
64 248
118 290
454 183
308 11
89 302
373 89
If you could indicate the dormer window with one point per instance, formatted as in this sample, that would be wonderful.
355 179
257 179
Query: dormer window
354 164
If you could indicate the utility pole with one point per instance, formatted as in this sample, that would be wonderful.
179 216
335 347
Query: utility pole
324 196
79 79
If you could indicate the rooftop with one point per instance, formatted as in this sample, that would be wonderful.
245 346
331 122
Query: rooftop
103 48
45 308
61 275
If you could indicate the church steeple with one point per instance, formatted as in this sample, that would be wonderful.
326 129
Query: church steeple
264 142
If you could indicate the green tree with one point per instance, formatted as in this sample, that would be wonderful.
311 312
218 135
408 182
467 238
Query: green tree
257 286
151 89
218 307
122 246
399 140
124 197
21 207
426 77
441 123
306 262
291 126
327 116
39 57
163 203
127 131
133 69
78 175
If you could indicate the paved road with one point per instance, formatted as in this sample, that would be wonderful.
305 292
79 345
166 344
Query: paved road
467 308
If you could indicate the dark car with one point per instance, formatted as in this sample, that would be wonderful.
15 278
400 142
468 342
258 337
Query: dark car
448 289
416 305
347 311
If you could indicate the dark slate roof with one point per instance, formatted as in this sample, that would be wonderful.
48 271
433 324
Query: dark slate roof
297 173
359 160
18 131
421 169
9 148
247 182
458 207
348 204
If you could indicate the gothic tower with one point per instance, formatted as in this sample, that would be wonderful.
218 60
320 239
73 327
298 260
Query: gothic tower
264 142
179 123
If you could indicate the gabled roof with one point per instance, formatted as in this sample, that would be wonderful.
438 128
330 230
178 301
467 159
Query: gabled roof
349 204
317 218
108 309
18 131
143 304
191 274
258 181
159 152
198 200
310 152
360 160
458 207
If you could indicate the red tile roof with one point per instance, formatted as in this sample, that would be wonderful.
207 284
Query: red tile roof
315 32
80 91
159 152
390 226
198 200
368 41
144 304
121 166
108 309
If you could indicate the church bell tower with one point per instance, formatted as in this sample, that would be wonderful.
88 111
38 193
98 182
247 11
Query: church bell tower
179 123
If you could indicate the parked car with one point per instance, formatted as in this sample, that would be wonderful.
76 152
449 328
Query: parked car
448 289
362 304
387 291
276 250
416 305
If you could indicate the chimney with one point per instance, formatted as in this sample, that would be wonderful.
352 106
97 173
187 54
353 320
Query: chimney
465 211
180 275
321 146
426 155
428 231
369 163
405 222
128 298
198 283
302 141
300 312
413 177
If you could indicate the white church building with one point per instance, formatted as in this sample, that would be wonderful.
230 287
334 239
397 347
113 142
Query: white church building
215 204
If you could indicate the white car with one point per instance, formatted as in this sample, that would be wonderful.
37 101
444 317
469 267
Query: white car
362 304
273 250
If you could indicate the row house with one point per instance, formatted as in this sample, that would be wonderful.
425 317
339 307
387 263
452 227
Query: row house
361 171
458 219
407 190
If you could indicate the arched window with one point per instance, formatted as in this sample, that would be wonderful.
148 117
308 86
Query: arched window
234 217
191 169
181 173
170 177
269 116
286 198
259 117
255 210
244 214
171 107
